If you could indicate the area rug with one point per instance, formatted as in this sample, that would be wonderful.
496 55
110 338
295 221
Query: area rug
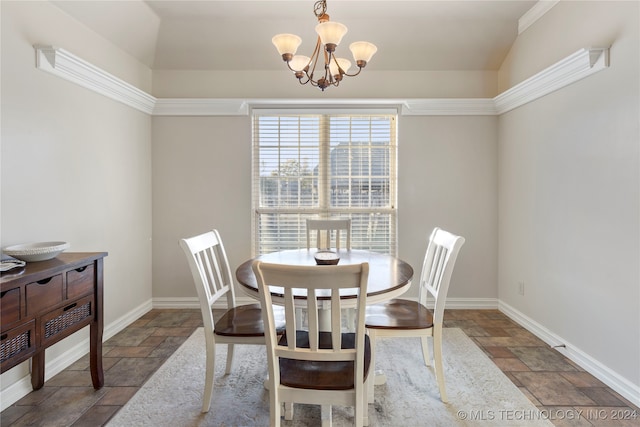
479 393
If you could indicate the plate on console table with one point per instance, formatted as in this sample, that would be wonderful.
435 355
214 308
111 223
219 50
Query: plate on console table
32 252
9 264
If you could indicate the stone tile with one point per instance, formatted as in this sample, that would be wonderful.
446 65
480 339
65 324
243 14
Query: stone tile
499 352
130 337
153 341
68 378
168 347
140 323
525 337
495 314
510 364
171 318
96 416
130 352
117 396
469 327
496 332
63 408
582 379
12 414
602 397
542 359
173 332
552 389
509 341
108 362
495 323
81 364
38 396
131 372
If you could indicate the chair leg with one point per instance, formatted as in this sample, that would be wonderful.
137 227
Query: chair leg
362 408
275 409
227 369
425 350
325 416
437 353
209 371
370 382
288 411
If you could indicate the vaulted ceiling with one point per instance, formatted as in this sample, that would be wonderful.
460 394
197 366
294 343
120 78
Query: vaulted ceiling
411 35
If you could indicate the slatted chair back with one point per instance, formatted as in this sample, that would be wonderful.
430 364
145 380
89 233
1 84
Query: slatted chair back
328 233
439 260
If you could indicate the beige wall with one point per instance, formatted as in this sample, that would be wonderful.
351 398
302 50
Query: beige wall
201 181
447 169
76 166
569 188
370 84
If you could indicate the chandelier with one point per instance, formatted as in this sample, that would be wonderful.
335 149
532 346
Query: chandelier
331 69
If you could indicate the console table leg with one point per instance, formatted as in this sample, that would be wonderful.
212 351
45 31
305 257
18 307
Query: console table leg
95 356
37 370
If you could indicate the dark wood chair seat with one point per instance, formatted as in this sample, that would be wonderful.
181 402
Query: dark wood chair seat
246 321
322 375
398 314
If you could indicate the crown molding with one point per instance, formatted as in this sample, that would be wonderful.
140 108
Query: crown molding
70 67
569 70
574 67
449 107
536 12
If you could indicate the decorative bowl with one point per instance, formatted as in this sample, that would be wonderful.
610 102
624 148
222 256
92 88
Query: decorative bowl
32 252
326 258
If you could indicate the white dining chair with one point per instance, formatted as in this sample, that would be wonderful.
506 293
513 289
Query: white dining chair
309 365
328 233
240 324
408 318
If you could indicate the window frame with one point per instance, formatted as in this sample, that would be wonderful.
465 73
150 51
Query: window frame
324 208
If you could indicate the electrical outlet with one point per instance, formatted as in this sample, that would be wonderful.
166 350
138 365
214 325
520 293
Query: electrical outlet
521 288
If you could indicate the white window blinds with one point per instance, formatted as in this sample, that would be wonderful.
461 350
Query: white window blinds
323 166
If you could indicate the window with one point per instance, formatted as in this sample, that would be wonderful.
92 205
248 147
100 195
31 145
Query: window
323 166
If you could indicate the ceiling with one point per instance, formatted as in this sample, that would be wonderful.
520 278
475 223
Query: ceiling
414 35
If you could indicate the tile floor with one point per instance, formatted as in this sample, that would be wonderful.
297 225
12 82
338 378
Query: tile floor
567 394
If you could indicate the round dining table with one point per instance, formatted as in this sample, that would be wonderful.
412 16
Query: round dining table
389 276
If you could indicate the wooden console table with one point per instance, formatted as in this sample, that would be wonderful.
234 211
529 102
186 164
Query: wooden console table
46 301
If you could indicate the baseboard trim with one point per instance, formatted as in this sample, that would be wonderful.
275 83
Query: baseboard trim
621 385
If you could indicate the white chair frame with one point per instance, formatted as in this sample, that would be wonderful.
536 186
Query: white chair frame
314 280
213 280
439 260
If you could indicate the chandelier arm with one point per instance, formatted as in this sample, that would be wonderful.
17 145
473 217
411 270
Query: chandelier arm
354 74
314 60
327 71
